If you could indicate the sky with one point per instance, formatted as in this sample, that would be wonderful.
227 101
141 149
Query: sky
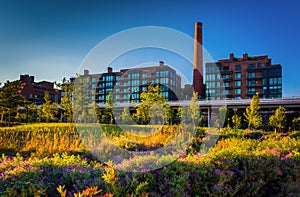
51 39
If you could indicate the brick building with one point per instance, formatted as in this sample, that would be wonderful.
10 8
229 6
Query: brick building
127 84
241 78
34 92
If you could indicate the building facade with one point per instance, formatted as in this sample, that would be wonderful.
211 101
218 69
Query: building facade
126 85
34 92
241 78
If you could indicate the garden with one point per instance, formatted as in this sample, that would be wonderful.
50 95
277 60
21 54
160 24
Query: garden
51 159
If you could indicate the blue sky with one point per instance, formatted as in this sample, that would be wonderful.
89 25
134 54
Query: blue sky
50 39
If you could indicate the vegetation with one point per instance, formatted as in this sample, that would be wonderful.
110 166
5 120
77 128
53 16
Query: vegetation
278 120
66 101
153 107
253 118
49 109
10 100
235 166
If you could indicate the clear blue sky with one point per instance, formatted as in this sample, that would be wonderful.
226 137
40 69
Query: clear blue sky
49 39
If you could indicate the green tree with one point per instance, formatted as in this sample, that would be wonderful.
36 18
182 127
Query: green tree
66 101
153 106
191 113
29 114
236 122
252 117
10 99
81 99
107 116
278 119
49 109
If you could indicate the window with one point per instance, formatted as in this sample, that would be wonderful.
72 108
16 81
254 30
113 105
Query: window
237 97
94 79
251 90
109 84
135 76
251 82
251 66
210 77
227 92
109 78
237 91
164 80
135 82
237 67
144 75
226 84
226 76
251 74
165 94
237 83
164 73
237 75
93 86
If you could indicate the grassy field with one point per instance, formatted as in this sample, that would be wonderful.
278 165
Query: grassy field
56 160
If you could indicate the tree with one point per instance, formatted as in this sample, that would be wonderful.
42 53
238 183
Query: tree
49 109
81 99
29 114
191 113
10 99
252 116
66 102
153 106
278 120
236 122
107 116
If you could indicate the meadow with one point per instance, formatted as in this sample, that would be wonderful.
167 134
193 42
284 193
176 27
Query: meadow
56 159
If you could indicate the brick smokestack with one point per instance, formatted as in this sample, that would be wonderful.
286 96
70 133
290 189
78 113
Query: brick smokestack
198 61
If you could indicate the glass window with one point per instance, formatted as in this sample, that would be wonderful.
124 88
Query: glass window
164 80
251 66
237 83
164 73
251 82
94 79
135 82
144 75
251 74
237 91
135 76
237 67
237 97
226 84
251 90
237 75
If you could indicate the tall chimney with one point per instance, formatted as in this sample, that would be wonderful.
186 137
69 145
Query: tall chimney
198 61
